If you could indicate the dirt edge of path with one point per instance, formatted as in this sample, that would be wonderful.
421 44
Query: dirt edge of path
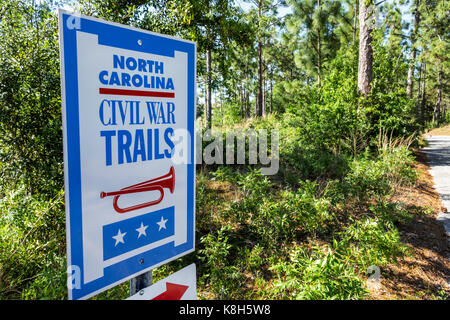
425 274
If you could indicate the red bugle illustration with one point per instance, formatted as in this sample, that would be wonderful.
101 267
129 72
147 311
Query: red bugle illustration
158 184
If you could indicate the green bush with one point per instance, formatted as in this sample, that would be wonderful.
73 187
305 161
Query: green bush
291 213
32 246
376 177
316 273
337 271
30 102
223 276
372 241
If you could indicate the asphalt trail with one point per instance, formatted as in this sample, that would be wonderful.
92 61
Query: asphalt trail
438 154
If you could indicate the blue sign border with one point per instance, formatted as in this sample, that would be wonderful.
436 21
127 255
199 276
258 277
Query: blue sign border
124 37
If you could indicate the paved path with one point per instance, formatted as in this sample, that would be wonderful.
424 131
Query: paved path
438 154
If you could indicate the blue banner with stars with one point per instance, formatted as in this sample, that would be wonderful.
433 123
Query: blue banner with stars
124 236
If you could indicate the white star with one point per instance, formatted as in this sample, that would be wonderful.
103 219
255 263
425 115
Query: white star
119 237
141 230
162 223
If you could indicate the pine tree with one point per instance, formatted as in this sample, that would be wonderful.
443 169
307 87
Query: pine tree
434 39
317 25
264 13
413 37
365 57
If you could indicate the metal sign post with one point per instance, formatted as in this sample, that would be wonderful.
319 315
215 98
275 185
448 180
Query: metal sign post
140 282
181 285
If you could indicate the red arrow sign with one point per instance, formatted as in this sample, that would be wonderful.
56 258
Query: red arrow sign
173 292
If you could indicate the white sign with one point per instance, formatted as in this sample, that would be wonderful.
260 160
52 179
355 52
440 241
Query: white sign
128 98
181 285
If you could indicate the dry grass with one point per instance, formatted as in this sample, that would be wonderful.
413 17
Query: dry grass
444 131
388 143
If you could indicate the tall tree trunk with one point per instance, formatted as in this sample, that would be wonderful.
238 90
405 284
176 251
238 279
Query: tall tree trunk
241 101
244 103
419 80
365 58
259 100
439 95
319 51
444 112
412 60
355 21
264 98
247 104
246 93
423 101
319 59
208 89
271 90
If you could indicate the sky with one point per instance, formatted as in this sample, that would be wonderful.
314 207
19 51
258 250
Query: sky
282 11
247 5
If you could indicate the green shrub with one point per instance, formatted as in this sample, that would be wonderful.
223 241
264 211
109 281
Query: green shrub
372 241
366 179
30 104
376 177
291 213
254 188
32 246
225 173
395 212
224 277
316 273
